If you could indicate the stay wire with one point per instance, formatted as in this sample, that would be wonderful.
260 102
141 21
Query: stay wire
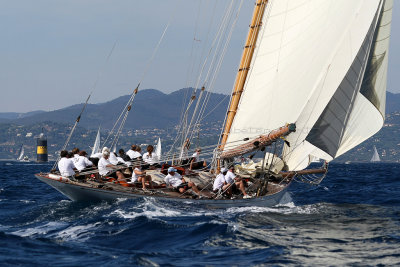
73 129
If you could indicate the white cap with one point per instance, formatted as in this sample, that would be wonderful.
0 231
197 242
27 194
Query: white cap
224 170
171 169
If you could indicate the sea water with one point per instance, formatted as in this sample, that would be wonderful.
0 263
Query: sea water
352 218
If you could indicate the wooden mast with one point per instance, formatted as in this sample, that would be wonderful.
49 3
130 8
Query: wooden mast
244 67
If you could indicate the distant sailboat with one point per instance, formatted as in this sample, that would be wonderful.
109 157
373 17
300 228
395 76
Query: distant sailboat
21 156
375 156
158 148
96 145
114 148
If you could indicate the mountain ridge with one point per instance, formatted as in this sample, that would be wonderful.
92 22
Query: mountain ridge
150 109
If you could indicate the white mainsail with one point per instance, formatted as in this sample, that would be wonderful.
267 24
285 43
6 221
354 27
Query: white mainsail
312 66
21 153
96 145
375 156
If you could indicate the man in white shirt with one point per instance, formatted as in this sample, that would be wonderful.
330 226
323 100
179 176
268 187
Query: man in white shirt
75 151
236 182
66 166
219 182
195 162
83 162
177 182
106 168
140 176
133 153
149 157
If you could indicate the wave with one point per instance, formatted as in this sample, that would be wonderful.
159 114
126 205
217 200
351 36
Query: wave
40 230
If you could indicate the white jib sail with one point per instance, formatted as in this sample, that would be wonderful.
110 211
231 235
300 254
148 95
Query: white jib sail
356 110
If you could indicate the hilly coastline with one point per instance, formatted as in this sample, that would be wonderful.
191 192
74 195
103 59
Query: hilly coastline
155 114
151 108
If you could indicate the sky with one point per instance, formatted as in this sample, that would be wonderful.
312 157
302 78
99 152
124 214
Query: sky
53 53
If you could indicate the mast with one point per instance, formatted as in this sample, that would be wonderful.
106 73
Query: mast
244 68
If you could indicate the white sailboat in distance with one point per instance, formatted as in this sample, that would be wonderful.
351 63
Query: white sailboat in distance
22 157
96 145
375 156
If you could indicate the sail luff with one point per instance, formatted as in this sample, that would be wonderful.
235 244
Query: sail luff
241 76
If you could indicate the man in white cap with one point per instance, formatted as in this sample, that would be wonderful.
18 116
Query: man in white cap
106 168
177 182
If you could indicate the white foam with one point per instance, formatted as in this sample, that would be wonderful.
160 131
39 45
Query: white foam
26 201
40 230
78 232
149 209
288 208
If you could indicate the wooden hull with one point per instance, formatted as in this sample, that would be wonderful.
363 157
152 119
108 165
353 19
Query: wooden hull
77 192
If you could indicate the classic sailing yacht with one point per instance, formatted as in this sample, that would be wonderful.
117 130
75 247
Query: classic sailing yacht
311 84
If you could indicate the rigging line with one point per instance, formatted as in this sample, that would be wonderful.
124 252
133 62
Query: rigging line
240 76
181 126
219 66
208 31
148 64
73 129
184 136
84 107
227 11
117 134
122 113
105 63
125 116
218 37
158 44
191 61
216 70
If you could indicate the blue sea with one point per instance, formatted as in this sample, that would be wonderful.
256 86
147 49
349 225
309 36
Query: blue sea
352 218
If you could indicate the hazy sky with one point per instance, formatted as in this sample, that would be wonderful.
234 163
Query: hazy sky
53 51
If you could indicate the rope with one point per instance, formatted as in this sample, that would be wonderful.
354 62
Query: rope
72 130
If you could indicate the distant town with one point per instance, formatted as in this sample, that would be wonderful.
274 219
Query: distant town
387 140
143 128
